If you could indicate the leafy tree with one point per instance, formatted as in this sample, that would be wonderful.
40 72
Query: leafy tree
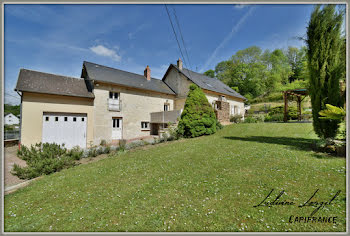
324 44
210 73
298 63
12 109
198 117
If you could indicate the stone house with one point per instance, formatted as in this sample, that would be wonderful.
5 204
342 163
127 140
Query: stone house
110 104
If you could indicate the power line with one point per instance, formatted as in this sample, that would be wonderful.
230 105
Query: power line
172 26
12 96
183 41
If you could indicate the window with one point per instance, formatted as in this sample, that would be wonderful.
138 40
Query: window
116 123
56 118
113 95
74 119
65 118
82 119
237 110
144 125
166 107
46 118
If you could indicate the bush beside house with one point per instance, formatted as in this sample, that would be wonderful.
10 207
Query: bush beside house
198 117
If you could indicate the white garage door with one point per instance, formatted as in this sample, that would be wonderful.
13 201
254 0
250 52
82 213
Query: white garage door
65 128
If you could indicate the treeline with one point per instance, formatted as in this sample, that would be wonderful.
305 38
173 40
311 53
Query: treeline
14 109
255 73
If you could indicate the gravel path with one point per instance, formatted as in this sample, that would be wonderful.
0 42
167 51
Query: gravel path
10 160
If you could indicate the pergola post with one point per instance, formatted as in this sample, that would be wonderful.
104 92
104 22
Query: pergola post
285 97
299 108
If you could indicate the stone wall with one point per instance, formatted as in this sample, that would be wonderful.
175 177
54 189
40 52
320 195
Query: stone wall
223 111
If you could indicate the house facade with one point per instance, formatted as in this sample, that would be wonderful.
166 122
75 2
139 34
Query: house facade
11 119
110 104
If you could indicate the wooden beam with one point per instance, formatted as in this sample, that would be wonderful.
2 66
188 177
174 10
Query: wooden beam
285 97
299 108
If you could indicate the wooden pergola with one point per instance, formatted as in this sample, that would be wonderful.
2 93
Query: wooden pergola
300 94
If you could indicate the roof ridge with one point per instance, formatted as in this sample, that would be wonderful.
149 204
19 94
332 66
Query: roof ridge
226 87
117 69
71 77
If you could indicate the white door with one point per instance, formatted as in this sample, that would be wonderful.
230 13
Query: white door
65 128
117 128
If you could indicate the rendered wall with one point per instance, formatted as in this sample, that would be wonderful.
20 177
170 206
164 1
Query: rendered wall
136 107
35 104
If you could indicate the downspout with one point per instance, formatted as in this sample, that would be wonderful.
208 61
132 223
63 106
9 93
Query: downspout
20 122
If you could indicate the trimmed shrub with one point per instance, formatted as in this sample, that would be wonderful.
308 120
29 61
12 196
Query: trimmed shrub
44 159
198 117
250 119
292 112
274 117
236 118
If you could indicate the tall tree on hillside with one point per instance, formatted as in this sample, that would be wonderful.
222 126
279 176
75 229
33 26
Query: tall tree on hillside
297 61
210 73
244 71
324 44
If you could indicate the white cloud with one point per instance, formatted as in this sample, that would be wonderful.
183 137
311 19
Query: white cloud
239 6
106 52
234 30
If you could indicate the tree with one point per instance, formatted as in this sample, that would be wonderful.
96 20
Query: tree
324 44
210 73
297 61
244 71
198 117
14 109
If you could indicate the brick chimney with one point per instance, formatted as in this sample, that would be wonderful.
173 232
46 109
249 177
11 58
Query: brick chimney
179 64
147 73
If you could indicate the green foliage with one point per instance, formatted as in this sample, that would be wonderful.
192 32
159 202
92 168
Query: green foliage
15 110
44 159
103 142
326 69
274 117
333 113
210 73
198 117
219 125
277 112
173 132
250 119
236 118
258 74
122 144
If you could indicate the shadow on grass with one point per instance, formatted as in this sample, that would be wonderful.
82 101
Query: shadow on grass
297 143
321 155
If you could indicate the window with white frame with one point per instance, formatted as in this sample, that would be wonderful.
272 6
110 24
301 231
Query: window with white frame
237 110
145 125
166 106
114 95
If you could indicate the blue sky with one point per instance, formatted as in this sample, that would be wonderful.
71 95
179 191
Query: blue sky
58 38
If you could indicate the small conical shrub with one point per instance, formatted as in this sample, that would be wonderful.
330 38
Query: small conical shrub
198 117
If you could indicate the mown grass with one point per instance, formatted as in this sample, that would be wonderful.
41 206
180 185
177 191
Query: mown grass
209 183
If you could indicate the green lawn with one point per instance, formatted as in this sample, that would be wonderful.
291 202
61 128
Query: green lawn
209 183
